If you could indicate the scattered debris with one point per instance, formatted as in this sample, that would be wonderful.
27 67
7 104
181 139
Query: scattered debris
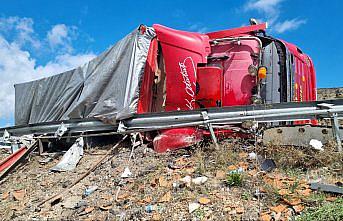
316 144
268 165
298 208
89 190
199 180
220 174
45 160
279 208
163 182
187 180
127 173
5 195
106 207
292 201
252 156
151 208
164 193
239 170
192 207
327 188
88 210
58 195
266 217
61 130
240 210
71 158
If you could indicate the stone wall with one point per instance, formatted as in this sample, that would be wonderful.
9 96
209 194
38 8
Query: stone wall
329 94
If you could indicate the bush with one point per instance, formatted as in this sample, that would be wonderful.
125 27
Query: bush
234 179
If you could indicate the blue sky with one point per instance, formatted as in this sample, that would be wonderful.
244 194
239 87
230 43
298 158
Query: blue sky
40 38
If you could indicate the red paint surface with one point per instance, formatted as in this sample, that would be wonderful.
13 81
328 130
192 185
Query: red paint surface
209 80
237 31
223 80
182 52
145 95
304 86
177 138
237 82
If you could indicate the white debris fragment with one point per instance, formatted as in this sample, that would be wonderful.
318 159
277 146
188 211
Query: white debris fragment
316 144
6 135
193 206
71 202
127 173
252 156
61 130
199 180
187 180
71 158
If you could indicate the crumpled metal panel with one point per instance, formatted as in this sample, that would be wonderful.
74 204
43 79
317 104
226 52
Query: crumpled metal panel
177 138
107 87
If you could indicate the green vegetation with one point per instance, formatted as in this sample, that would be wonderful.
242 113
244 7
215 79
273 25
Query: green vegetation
329 212
234 179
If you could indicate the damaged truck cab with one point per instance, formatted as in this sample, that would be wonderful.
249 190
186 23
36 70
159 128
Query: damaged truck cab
241 66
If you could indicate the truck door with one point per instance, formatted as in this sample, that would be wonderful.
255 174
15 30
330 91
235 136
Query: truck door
182 52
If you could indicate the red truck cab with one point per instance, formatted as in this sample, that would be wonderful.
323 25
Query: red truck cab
241 66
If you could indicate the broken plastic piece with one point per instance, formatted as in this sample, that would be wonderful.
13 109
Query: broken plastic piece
316 144
151 208
239 170
127 173
252 156
199 180
193 206
187 180
268 165
89 190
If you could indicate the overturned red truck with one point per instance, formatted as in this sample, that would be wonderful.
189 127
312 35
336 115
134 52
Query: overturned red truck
240 66
160 69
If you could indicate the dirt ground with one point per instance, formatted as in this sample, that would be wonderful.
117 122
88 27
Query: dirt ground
161 185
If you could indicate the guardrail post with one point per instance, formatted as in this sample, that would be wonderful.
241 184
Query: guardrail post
210 128
335 131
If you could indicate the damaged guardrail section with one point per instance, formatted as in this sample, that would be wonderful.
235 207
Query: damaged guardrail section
207 118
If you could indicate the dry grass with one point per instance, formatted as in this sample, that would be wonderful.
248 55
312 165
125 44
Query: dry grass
144 188
305 158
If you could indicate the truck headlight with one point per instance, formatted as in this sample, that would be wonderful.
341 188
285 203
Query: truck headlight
252 69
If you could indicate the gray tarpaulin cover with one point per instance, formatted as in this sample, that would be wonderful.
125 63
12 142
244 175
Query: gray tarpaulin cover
107 87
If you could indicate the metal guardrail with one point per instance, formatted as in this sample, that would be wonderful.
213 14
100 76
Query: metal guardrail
48 128
214 116
234 115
